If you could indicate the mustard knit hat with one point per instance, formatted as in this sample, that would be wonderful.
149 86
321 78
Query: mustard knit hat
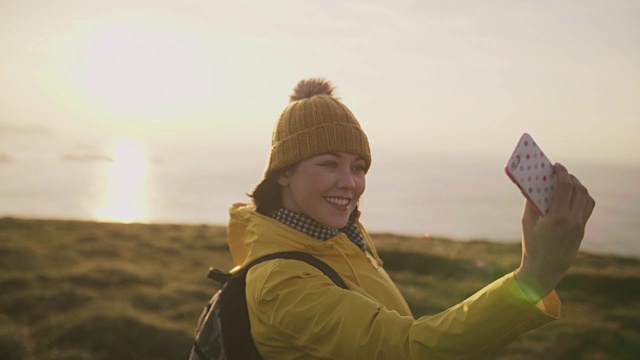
315 123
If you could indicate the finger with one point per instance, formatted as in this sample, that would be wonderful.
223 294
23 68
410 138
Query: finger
591 204
562 197
581 201
529 216
579 197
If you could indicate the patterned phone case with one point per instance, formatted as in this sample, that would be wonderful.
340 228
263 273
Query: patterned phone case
532 172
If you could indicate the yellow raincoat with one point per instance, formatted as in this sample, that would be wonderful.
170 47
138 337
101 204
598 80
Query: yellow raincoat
296 312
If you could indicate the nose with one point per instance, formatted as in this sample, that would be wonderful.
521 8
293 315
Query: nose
345 179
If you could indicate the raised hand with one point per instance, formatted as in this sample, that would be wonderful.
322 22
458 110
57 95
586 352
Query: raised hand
550 243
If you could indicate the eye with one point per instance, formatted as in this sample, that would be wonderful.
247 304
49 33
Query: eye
359 168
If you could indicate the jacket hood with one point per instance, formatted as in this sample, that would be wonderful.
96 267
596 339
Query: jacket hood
252 235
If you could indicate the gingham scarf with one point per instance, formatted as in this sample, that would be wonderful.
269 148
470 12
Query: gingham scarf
316 230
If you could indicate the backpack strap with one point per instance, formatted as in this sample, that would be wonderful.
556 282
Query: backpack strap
222 277
237 339
302 256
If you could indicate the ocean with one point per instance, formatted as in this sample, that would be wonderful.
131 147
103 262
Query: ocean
409 193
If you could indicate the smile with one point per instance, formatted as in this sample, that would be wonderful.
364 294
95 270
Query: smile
338 201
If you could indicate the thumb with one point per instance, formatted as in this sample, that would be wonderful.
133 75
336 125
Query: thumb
530 216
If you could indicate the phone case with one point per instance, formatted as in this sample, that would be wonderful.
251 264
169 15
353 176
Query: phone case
532 172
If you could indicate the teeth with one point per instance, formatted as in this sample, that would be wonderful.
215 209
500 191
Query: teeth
338 201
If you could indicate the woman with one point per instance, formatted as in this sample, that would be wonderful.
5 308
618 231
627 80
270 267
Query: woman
308 201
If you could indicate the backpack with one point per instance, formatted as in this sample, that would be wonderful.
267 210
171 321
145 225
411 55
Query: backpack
223 331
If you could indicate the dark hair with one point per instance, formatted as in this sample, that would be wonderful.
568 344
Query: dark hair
267 195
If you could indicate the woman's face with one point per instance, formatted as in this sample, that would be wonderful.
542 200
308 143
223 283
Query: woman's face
326 187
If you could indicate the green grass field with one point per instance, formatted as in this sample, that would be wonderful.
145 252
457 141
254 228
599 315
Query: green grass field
86 290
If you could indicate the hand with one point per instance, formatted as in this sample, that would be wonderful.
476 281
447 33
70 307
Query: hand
550 243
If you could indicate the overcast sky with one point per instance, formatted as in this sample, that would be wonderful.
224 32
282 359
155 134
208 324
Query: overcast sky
446 76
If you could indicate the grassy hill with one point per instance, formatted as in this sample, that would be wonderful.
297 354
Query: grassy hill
87 291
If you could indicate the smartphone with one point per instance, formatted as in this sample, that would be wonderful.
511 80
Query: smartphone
530 169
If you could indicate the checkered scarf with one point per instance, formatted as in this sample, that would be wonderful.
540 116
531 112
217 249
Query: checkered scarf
316 230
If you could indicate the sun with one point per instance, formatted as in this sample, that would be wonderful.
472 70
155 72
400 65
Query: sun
130 67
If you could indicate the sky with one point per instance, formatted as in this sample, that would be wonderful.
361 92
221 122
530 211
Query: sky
456 77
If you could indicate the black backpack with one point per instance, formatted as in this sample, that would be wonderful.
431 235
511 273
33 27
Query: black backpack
223 331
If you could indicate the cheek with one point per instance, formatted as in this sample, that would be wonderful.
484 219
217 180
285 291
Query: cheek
320 180
310 185
361 185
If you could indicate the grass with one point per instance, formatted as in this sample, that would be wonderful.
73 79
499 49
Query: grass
92 291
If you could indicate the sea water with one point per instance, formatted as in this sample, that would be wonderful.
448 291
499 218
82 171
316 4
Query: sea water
465 197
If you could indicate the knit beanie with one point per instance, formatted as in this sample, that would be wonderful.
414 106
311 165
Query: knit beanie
315 123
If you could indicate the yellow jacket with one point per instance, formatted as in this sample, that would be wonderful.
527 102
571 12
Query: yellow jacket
296 312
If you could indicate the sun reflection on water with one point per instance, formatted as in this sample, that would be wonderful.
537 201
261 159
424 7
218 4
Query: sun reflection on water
125 196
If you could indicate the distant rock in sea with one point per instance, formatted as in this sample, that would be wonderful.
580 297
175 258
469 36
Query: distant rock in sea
86 157
20 130
86 153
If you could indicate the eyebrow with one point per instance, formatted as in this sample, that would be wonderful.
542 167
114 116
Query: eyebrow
338 155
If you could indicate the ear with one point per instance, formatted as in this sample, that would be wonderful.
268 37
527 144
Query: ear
284 179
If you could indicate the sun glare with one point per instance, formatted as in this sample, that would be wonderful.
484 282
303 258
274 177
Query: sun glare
125 196
141 68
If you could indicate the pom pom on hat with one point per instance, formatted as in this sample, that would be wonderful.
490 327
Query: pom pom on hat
310 87
315 123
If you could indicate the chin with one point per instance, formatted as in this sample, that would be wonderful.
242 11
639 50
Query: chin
334 220
337 224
